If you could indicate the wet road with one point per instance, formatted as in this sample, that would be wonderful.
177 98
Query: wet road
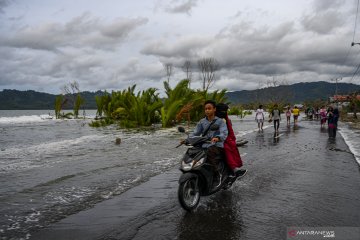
299 179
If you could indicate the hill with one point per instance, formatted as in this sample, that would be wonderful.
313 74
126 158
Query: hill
296 93
32 100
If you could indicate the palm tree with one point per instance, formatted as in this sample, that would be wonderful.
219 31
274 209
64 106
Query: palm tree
79 101
60 101
132 110
176 99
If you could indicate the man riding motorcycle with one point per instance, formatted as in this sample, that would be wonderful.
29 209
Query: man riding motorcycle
215 149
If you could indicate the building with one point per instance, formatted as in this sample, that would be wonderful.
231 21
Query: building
343 100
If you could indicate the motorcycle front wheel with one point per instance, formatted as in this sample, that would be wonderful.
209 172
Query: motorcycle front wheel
189 194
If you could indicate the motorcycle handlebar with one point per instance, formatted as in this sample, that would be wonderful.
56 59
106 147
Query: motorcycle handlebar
187 144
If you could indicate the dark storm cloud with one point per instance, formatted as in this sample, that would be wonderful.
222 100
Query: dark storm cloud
250 53
187 47
4 4
324 5
323 22
54 53
81 31
251 43
177 6
325 17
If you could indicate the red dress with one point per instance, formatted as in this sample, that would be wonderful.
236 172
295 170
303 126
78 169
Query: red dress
232 154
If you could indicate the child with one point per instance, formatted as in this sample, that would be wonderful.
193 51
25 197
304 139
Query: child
259 117
288 115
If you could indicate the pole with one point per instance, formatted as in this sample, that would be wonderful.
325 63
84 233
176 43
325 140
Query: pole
336 90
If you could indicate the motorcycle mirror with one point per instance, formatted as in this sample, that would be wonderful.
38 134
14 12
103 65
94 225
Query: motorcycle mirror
181 129
214 127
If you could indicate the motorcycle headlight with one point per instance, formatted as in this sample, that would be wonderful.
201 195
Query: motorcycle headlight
187 166
198 163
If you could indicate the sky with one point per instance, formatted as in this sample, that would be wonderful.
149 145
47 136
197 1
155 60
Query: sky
114 44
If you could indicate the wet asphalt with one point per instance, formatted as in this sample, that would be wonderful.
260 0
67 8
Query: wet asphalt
300 179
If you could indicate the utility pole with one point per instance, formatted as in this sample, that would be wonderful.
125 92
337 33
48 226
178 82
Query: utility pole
336 89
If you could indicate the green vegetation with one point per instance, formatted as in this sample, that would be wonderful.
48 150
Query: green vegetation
175 101
101 123
59 102
79 101
239 111
142 109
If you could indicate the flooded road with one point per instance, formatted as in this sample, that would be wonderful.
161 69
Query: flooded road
299 179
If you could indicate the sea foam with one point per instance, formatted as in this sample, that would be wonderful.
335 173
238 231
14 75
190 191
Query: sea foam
24 119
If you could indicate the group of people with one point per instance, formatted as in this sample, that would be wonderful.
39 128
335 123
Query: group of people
275 116
223 140
329 115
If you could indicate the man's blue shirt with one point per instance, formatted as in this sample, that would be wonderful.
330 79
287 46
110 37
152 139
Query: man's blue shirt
221 133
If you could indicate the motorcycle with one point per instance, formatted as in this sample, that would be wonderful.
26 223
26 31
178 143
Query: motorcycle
197 177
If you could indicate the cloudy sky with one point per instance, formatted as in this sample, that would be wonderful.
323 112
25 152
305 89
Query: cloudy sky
113 44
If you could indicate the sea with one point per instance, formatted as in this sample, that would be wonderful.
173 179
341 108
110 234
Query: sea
52 168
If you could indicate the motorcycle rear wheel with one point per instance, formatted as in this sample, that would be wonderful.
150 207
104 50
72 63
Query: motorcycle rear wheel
189 194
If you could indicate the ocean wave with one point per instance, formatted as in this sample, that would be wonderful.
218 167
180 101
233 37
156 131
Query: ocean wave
36 119
51 147
25 119
20 157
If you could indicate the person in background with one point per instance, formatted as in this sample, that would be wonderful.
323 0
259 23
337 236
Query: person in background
322 114
288 116
276 117
332 117
317 113
310 113
260 117
296 113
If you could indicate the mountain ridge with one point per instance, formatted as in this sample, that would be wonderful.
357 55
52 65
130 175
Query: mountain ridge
295 93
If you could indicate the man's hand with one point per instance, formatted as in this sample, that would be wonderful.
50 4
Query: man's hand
215 140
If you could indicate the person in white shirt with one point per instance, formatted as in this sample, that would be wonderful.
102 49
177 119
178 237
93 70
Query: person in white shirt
259 117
